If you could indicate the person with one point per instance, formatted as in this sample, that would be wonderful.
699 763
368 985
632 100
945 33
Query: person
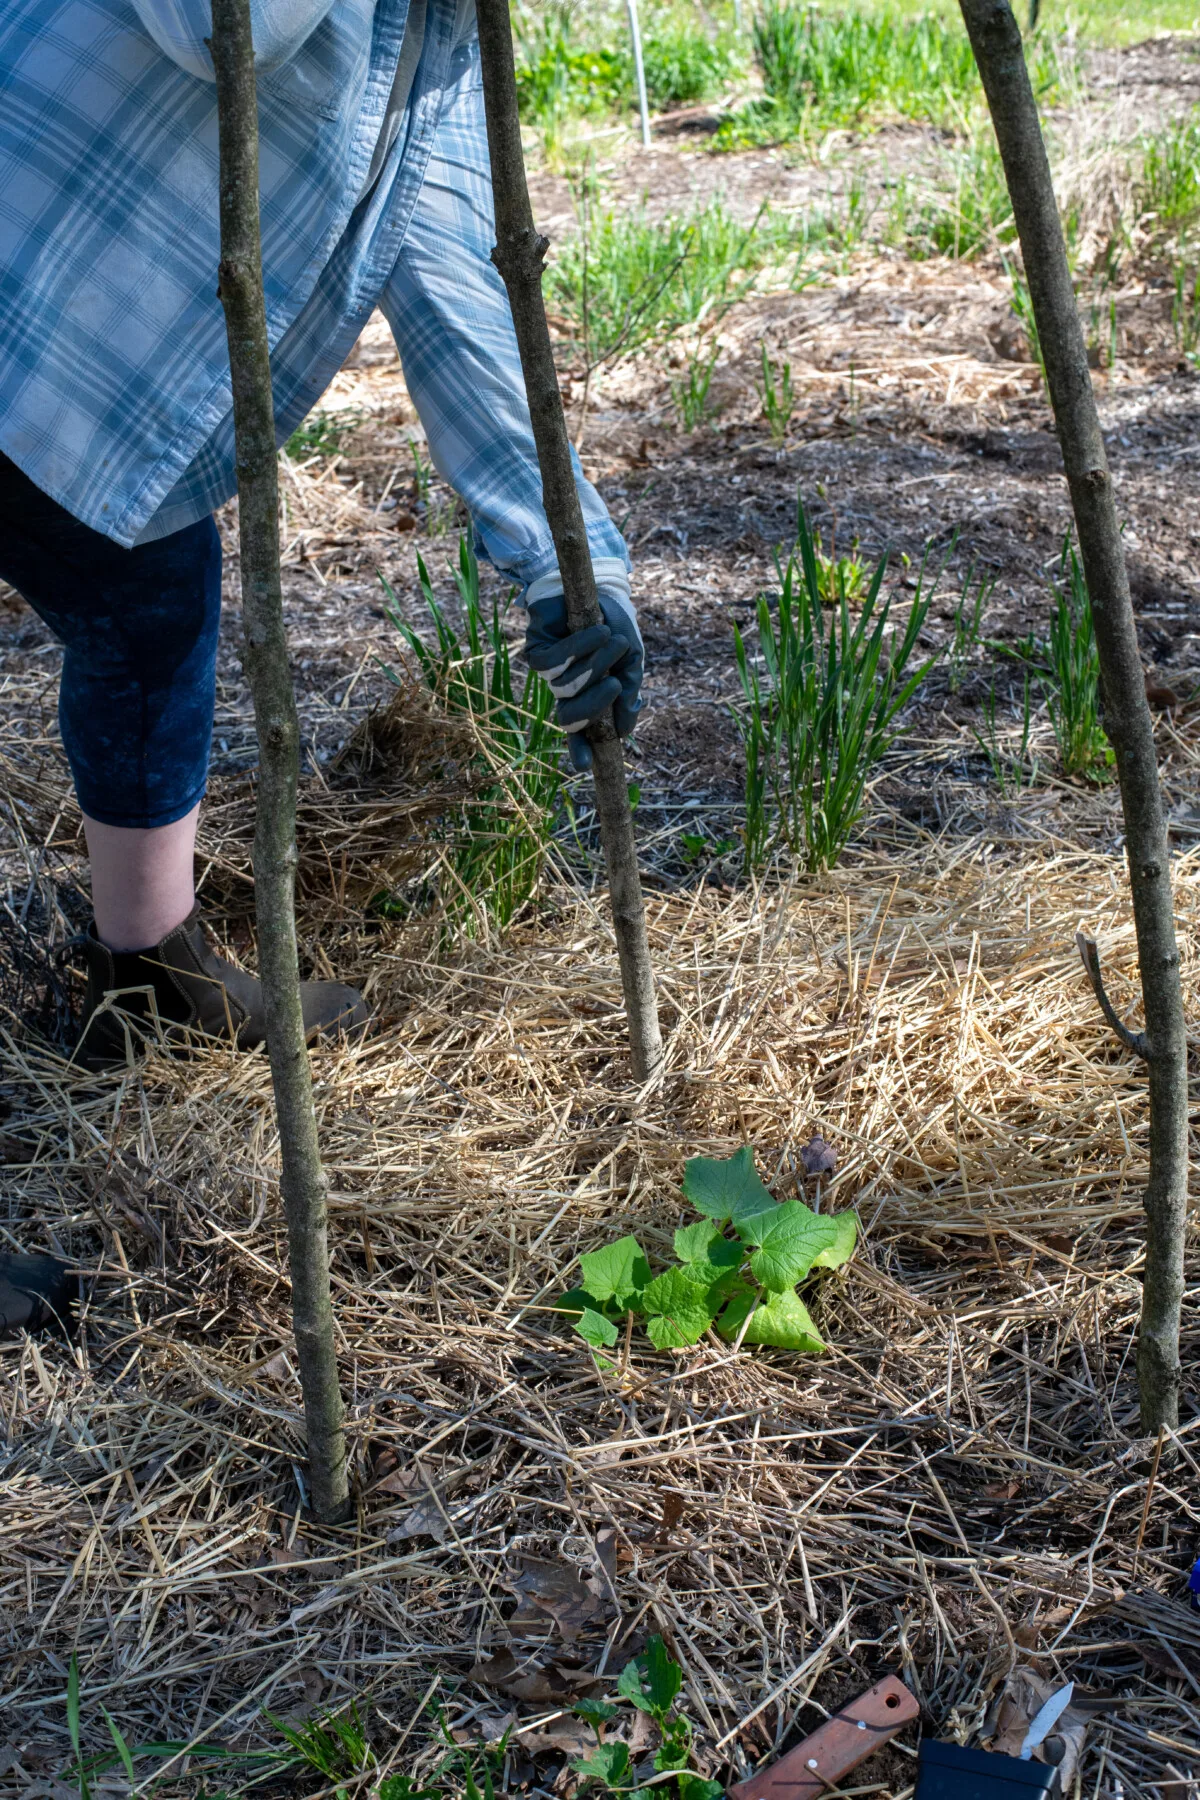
116 431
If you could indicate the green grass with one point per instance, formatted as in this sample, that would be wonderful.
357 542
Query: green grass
1170 184
627 281
967 214
1098 21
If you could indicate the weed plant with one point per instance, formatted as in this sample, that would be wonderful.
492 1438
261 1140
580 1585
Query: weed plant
322 434
691 392
1185 310
626 281
778 398
966 216
967 626
499 842
1169 190
1010 771
821 693
1022 306
1073 697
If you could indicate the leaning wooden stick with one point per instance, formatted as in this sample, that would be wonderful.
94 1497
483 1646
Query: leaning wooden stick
302 1177
518 255
996 41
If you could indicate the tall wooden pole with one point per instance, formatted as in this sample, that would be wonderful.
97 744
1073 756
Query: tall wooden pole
996 41
518 255
302 1177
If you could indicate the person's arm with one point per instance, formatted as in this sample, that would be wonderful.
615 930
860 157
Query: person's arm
449 313
180 28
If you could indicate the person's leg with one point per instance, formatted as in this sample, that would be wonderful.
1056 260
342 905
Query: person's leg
139 633
142 881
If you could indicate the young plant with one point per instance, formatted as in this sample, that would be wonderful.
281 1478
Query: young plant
738 1267
1185 311
821 695
1010 772
691 394
966 626
1022 306
500 839
778 400
1074 694
651 1682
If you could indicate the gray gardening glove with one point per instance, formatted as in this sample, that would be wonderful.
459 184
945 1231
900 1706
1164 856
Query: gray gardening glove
589 672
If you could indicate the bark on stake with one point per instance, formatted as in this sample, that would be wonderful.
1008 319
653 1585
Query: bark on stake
302 1178
996 41
518 255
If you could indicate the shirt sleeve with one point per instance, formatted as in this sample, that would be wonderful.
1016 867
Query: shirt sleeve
449 313
180 28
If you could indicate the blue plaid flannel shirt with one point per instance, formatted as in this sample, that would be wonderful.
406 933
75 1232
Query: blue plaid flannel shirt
114 372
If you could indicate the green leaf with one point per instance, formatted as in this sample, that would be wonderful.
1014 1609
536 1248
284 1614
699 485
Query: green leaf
403 1787
675 1747
842 1247
652 1680
789 1245
726 1187
608 1763
708 1253
595 1712
781 1320
618 1273
574 1301
695 1787
679 1309
595 1329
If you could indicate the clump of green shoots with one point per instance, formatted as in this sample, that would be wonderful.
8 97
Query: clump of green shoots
1011 770
778 398
967 625
1185 311
821 693
498 842
744 1283
1074 675
691 393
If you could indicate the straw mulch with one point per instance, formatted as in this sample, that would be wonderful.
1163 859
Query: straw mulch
955 1490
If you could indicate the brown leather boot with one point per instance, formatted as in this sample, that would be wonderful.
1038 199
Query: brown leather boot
183 987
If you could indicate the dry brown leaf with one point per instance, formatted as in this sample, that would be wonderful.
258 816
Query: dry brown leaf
818 1157
526 1679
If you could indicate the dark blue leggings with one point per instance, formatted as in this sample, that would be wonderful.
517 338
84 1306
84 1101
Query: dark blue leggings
139 635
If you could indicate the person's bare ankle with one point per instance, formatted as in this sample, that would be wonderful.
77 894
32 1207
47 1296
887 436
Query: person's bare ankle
142 881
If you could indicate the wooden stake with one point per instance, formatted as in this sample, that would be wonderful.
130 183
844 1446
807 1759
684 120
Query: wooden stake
518 255
302 1177
999 52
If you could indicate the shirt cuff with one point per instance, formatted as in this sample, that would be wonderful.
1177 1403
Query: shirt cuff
610 572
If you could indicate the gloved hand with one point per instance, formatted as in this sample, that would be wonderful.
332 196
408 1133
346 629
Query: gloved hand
589 672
